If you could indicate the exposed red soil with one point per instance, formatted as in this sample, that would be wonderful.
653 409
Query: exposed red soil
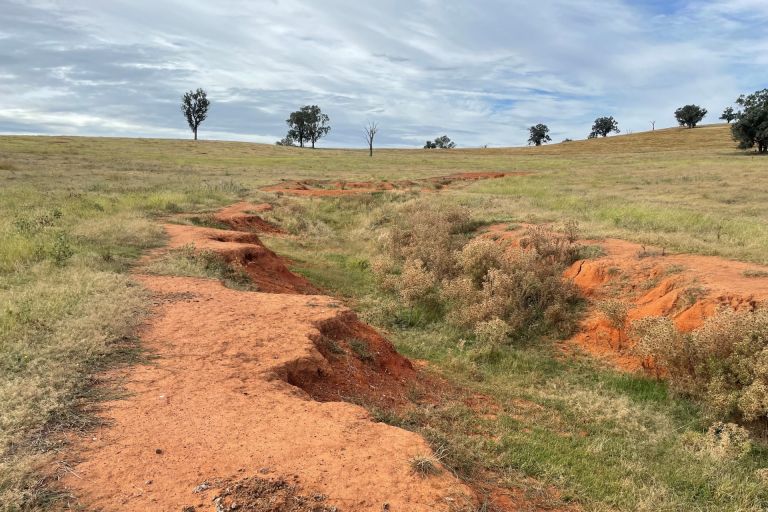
266 268
242 217
685 287
329 188
240 391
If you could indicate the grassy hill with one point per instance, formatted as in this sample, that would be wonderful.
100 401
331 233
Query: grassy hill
76 213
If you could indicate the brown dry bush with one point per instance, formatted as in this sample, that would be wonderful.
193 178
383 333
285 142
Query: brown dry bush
476 283
724 363
551 245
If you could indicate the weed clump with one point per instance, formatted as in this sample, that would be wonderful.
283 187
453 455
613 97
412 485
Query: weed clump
721 441
723 363
424 465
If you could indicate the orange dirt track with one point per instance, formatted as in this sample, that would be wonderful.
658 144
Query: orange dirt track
224 399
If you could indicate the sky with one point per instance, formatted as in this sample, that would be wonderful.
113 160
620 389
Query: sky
479 71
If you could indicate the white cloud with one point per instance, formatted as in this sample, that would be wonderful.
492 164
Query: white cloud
479 72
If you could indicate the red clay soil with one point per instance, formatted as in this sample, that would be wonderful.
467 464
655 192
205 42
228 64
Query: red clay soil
242 217
265 268
329 188
685 287
239 392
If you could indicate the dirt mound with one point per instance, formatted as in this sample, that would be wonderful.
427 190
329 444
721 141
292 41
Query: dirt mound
262 495
649 282
245 387
329 188
266 268
366 367
242 217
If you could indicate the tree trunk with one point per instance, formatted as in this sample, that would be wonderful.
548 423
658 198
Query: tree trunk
195 132
370 149
313 143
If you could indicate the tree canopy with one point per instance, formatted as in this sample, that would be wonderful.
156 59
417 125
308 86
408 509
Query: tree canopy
690 115
440 143
604 126
728 115
308 124
539 135
194 106
751 126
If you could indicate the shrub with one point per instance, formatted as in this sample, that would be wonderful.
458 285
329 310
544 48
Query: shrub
477 284
724 362
553 246
429 232
416 284
615 311
492 334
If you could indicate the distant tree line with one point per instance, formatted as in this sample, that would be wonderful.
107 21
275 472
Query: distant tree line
309 124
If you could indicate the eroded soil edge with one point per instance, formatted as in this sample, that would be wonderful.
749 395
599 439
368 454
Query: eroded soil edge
242 391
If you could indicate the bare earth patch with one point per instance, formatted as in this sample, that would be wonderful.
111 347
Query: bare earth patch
223 400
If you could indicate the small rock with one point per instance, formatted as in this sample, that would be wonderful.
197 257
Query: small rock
158 451
188 508
148 482
202 487
264 470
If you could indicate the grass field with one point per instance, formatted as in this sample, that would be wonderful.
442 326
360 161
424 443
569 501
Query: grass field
75 213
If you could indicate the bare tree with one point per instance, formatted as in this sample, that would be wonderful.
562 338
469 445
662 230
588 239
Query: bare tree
653 126
370 132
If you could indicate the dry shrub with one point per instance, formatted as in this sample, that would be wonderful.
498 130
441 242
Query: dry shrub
723 441
429 232
481 285
724 362
616 312
527 293
551 245
492 334
416 284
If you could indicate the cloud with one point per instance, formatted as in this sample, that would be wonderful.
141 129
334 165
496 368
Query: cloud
479 72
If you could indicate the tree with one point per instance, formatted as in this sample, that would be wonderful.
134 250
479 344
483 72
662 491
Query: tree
728 115
690 115
370 132
604 126
317 124
286 141
751 126
539 135
307 124
194 106
440 143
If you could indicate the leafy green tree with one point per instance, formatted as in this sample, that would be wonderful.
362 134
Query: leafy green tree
539 135
751 126
728 115
308 124
286 141
603 127
194 106
440 143
690 115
